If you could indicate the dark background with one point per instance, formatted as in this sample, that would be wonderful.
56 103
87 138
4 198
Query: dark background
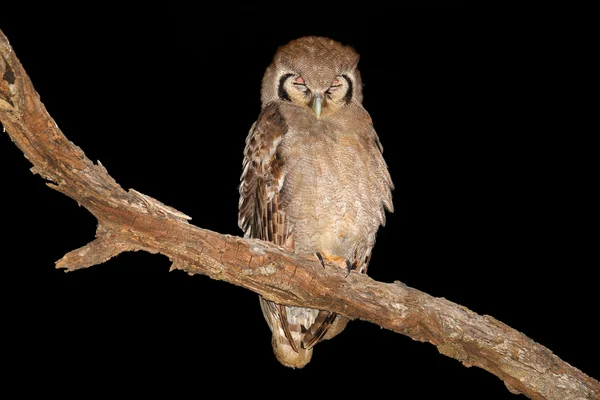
493 208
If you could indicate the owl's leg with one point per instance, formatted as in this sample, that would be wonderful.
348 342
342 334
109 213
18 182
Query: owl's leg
336 260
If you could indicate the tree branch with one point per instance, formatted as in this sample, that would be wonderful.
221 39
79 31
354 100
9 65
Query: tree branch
131 221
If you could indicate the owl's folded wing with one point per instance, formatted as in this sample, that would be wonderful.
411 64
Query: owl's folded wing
262 178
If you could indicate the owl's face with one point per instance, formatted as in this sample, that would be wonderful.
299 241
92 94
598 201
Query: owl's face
316 73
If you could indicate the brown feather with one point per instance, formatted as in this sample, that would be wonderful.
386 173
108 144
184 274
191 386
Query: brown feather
285 327
318 329
262 172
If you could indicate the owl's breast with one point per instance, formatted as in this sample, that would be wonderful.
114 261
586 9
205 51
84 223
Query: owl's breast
328 194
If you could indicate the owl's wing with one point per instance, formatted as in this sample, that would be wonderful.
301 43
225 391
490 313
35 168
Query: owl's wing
262 178
381 187
259 213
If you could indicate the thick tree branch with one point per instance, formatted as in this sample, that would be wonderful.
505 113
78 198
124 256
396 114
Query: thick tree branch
130 221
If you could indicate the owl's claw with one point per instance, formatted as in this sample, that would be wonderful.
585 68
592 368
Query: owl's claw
348 268
320 257
338 260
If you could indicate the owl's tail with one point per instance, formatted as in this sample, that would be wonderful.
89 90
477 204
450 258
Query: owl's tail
288 333
286 354
296 330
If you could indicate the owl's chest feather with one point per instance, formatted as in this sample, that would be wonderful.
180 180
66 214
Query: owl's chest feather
324 192
323 166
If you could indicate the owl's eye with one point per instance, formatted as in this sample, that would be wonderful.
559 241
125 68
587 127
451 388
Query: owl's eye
300 84
334 86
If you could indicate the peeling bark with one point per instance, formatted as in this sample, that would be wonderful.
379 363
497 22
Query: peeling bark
131 221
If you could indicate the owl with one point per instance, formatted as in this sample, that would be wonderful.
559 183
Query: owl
314 180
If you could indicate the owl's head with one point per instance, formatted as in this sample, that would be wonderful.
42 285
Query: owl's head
314 72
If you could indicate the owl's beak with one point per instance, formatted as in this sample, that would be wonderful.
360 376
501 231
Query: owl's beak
316 102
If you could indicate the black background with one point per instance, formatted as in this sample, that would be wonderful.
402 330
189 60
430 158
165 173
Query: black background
493 209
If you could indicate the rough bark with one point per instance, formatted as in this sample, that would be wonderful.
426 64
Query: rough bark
130 221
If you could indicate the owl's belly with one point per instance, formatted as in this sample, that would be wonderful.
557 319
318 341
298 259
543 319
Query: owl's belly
326 201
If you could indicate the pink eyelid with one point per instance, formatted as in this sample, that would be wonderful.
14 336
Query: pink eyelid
300 81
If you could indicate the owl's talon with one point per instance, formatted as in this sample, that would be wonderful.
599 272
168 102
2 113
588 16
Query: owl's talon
348 268
320 257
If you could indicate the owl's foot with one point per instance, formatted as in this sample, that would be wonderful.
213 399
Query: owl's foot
341 261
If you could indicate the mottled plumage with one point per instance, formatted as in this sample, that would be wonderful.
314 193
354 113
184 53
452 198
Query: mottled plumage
314 180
